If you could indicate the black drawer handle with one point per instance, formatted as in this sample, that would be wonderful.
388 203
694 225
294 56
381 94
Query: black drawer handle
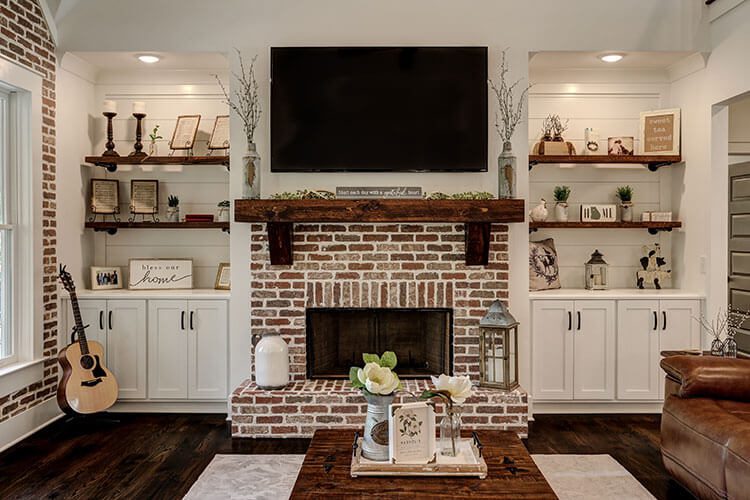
191 320
101 320
578 313
109 322
656 321
664 317
182 320
570 321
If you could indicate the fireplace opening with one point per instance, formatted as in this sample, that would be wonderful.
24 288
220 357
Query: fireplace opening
337 337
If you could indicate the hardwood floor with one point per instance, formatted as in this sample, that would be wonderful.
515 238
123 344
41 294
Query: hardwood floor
160 456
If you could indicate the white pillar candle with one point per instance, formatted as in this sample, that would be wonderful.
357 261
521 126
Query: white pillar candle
139 107
109 107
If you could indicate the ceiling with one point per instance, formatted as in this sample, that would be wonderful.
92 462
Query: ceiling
590 60
128 61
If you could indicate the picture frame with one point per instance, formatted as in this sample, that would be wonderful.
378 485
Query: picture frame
223 277
105 196
598 213
411 428
144 196
185 131
621 146
660 132
220 133
106 278
160 274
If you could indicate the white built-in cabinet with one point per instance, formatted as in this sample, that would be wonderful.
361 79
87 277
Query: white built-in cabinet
160 349
599 350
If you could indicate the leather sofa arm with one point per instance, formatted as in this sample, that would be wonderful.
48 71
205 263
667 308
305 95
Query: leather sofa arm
709 377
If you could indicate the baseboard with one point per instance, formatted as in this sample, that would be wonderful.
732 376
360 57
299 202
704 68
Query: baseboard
169 407
571 408
21 426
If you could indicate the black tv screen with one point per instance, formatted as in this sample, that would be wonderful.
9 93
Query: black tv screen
369 109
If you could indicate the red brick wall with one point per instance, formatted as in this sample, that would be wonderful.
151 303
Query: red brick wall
377 265
25 39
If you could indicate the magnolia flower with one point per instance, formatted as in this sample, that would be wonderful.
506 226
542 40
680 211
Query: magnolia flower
378 379
459 388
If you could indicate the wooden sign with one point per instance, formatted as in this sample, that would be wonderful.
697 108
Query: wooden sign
160 274
598 213
660 132
185 131
358 193
411 428
105 197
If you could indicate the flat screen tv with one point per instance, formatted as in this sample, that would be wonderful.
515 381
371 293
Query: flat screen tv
370 109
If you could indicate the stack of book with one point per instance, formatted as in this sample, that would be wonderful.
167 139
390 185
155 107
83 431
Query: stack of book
199 218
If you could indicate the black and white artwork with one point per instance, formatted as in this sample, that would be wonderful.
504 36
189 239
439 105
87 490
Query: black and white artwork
544 271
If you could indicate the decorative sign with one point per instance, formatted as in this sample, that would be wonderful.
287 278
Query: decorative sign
144 196
352 193
412 433
598 213
220 135
106 278
660 132
185 131
621 146
223 277
105 198
160 274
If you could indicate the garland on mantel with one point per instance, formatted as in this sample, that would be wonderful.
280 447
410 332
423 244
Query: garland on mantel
321 194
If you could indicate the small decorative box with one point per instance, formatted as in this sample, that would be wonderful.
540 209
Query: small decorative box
646 217
661 216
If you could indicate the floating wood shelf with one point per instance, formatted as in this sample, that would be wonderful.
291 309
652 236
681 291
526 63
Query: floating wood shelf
112 227
111 162
652 227
651 161
477 215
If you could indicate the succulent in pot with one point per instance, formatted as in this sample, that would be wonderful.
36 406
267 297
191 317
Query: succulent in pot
625 194
173 208
561 195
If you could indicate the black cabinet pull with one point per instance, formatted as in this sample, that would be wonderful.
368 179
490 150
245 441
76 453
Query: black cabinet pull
570 321
664 317
578 314
182 320
101 320
191 319
656 321
109 321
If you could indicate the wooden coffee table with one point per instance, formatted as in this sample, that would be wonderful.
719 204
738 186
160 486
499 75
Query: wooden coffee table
512 474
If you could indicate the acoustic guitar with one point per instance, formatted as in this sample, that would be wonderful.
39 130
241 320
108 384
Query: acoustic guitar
87 386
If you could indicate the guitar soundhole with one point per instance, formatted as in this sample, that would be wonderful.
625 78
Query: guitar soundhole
87 362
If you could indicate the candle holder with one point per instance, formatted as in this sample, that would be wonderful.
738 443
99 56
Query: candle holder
138 146
110 145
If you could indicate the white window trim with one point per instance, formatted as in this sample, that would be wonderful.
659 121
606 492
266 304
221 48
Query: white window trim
26 140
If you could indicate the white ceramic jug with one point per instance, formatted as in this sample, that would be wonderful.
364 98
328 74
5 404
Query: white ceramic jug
271 362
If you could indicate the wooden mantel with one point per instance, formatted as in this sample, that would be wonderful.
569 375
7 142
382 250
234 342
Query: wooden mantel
477 215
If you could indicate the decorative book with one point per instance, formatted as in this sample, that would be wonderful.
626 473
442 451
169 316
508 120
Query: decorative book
411 433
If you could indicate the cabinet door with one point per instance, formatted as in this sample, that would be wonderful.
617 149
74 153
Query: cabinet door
552 350
594 348
678 329
93 313
207 349
126 346
167 349
638 374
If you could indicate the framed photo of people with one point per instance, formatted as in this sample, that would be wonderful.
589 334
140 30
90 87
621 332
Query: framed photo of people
106 278
105 196
144 197
185 132
220 134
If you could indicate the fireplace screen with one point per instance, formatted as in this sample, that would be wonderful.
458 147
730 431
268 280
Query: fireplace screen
421 339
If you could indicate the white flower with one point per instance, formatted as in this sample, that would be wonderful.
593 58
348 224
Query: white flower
459 388
378 379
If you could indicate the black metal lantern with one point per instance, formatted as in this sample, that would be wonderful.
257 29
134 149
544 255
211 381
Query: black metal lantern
596 272
498 348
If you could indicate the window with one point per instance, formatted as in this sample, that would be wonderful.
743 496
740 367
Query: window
8 337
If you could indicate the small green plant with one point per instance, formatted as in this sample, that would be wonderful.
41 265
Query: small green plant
625 193
154 135
561 194
173 201
223 204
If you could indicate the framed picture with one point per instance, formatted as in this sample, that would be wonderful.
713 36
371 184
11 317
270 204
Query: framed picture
160 274
185 131
621 146
223 278
106 278
144 196
411 428
220 134
660 132
105 196
598 213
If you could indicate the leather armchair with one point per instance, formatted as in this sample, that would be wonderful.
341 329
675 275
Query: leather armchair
705 425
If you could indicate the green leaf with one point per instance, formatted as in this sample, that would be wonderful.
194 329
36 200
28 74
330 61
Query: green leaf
371 358
354 378
388 360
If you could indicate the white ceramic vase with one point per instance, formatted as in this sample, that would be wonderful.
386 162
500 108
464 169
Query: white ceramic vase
173 214
561 211
271 362
626 212
223 215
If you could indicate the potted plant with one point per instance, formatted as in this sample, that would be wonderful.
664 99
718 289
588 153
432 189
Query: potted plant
561 194
625 194
154 136
223 215
173 209
379 384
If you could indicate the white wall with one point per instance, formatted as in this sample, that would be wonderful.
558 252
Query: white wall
739 130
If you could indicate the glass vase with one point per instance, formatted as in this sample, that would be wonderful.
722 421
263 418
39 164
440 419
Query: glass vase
730 348
717 347
375 440
251 173
450 432
506 172
152 149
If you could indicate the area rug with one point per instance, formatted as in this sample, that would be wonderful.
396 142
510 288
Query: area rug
271 477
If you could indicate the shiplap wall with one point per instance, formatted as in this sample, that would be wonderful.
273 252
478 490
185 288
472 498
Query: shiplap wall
613 109
199 187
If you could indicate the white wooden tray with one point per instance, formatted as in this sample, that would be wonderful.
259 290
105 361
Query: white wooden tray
468 462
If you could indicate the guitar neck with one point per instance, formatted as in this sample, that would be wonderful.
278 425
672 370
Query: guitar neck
81 335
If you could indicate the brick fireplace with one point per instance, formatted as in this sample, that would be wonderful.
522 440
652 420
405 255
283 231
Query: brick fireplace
353 266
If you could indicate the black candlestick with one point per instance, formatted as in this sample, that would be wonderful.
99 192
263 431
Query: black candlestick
110 145
138 146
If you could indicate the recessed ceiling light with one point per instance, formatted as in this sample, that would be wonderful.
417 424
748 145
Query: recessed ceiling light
148 59
611 58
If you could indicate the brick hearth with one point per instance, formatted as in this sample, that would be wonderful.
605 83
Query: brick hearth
369 265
